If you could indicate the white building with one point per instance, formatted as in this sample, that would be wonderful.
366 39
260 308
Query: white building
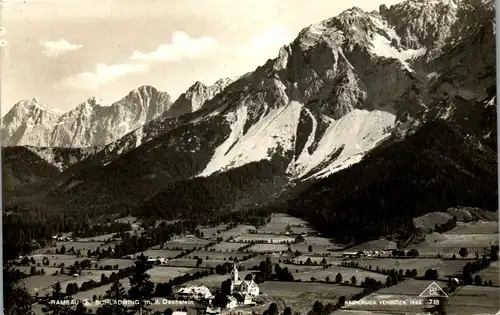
195 292
245 288
232 302
159 260
212 311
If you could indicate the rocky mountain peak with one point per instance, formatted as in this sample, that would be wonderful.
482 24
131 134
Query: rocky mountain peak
434 23
196 95
32 104
197 86
90 124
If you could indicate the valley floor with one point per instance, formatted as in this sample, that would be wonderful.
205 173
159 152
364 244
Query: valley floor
314 261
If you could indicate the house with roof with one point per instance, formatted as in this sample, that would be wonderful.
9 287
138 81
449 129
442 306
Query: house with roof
354 254
194 292
212 310
157 261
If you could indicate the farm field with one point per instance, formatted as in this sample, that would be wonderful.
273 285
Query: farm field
449 267
421 264
279 223
268 248
491 273
85 246
39 283
100 291
477 227
214 281
453 240
189 240
161 274
216 255
212 231
317 240
300 296
255 261
304 248
178 246
269 238
227 246
301 229
48 270
347 273
122 263
474 300
191 263
300 268
94 275
67 260
99 238
380 244
163 253
448 252
236 231
318 259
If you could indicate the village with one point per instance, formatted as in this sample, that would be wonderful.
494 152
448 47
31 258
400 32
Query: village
285 264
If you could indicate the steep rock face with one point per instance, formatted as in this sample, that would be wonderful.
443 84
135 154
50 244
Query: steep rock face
29 122
194 98
88 125
345 83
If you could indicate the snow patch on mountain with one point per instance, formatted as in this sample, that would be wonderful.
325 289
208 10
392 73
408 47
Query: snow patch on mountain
275 130
356 133
381 46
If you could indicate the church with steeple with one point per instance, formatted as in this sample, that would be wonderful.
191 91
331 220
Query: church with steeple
246 289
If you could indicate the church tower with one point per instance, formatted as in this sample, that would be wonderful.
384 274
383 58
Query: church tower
235 274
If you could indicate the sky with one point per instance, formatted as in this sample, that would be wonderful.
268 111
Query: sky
63 52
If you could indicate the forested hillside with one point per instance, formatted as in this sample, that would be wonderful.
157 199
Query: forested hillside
435 168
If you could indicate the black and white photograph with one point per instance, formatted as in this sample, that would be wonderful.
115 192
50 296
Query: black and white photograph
249 157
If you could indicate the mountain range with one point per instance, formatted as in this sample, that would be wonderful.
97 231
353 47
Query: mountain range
355 121
92 124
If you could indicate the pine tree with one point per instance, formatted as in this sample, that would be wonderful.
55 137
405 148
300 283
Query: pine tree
115 293
17 300
142 287
338 278
54 302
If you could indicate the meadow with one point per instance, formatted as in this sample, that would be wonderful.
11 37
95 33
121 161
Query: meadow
39 283
268 238
321 273
162 274
227 246
268 248
279 223
300 296
162 253
474 300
